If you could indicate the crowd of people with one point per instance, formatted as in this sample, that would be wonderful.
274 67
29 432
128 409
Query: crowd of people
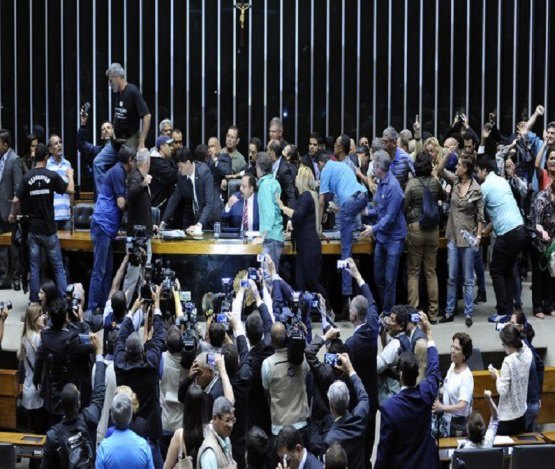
154 390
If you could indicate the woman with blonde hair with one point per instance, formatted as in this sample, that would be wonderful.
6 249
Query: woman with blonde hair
305 227
433 148
34 322
138 424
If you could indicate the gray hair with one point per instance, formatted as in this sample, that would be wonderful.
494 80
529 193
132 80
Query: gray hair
391 133
360 304
134 346
143 157
264 162
222 405
115 70
163 123
338 396
381 160
276 121
405 134
377 144
122 411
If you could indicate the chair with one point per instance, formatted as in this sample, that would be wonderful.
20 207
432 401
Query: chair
475 362
478 458
7 456
155 218
233 186
82 214
533 456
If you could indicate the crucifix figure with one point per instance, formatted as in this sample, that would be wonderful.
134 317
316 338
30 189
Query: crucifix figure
242 7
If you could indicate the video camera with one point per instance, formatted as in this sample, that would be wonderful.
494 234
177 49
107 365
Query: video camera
72 301
139 246
165 277
188 322
8 305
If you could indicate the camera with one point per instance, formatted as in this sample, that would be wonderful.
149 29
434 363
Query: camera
244 283
185 296
85 339
146 292
211 360
260 258
252 274
332 359
86 107
165 277
72 300
189 338
7 305
342 265
414 317
139 246
310 303
222 318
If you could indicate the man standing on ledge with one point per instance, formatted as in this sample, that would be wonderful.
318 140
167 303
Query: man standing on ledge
131 120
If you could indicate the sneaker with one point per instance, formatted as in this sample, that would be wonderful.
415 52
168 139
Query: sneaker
499 318
481 298
468 321
445 319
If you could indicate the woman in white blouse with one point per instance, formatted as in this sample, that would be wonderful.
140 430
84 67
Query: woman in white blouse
34 322
458 387
512 382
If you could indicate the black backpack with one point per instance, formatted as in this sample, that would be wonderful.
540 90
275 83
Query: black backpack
429 218
75 446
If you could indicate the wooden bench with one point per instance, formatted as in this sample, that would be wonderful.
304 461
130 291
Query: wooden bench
9 392
483 380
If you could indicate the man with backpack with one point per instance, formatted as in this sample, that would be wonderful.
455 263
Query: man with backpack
389 231
71 443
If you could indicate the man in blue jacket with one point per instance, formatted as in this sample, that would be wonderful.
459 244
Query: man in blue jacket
405 438
389 231
241 210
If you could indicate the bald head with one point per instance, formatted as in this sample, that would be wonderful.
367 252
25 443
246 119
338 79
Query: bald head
279 335
451 144
214 147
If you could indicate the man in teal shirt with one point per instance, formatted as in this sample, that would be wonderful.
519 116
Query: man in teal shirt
511 236
271 223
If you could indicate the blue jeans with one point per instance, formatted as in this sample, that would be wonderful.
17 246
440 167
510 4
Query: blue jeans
274 249
102 162
101 276
479 269
53 251
530 415
457 256
386 265
348 213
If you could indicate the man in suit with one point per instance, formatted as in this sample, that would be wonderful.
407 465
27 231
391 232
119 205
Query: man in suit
405 438
283 172
219 163
349 428
241 210
195 189
10 177
289 447
362 346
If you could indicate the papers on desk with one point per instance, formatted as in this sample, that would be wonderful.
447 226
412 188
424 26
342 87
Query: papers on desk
331 234
501 440
173 234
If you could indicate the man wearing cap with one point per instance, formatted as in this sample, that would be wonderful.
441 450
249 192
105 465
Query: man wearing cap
105 223
163 172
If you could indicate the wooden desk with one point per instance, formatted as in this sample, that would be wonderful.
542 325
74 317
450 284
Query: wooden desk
26 445
448 445
9 392
81 241
549 436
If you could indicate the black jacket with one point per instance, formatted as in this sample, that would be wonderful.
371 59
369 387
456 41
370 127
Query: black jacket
164 176
68 354
350 429
286 177
88 417
139 206
208 200
143 376
363 349
220 170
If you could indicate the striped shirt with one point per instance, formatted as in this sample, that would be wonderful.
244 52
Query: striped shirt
62 203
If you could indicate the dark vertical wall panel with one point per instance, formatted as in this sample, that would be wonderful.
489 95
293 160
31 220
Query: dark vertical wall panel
40 37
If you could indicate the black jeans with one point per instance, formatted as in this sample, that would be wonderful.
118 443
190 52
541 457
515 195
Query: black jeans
543 285
505 253
512 427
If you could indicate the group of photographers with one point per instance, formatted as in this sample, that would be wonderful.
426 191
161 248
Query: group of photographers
249 390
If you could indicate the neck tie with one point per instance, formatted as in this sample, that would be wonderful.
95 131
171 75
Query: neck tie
246 215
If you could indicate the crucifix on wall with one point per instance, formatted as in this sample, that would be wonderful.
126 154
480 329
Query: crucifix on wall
242 7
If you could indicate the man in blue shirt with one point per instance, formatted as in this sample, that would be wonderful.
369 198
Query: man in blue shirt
106 220
511 237
338 179
124 448
401 162
389 232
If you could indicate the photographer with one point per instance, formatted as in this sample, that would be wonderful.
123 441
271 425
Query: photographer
59 354
285 383
139 221
137 366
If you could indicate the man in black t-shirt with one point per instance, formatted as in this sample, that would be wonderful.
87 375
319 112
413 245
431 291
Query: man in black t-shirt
36 195
131 121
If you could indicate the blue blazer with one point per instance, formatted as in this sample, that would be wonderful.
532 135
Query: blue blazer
312 462
405 437
234 217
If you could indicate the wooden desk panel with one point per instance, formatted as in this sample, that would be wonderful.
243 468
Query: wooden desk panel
27 445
